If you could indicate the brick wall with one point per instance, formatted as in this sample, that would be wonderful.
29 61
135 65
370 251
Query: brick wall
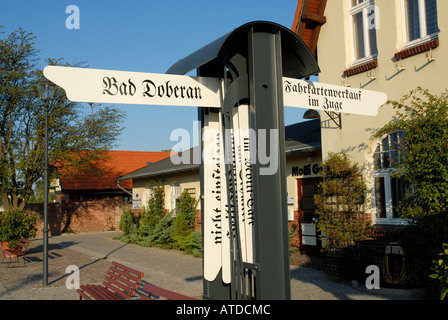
80 217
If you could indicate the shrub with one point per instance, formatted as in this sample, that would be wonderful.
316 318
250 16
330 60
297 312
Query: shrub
291 233
186 214
424 165
16 224
441 271
424 152
185 238
191 244
165 230
162 233
127 220
153 212
129 226
422 239
339 203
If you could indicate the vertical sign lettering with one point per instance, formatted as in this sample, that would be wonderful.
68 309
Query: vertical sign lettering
243 180
213 234
247 140
225 208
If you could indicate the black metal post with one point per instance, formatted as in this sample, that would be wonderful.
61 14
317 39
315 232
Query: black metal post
45 226
266 99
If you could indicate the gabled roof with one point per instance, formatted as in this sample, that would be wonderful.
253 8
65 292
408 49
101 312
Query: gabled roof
166 166
299 137
113 166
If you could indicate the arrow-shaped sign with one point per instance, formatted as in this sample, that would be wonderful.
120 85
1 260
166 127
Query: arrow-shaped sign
328 97
110 86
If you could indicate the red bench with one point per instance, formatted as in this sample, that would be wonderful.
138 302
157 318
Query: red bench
19 251
120 283
157 292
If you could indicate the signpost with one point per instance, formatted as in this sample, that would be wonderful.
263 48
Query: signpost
245 79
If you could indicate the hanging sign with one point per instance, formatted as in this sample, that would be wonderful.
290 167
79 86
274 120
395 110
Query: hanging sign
136 201
122 87
328 97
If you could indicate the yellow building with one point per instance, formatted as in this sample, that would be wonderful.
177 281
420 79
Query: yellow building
392 46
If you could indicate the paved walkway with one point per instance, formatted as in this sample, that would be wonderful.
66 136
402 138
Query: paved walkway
92 253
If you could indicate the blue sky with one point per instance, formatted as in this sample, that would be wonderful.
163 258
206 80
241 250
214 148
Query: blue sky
144 36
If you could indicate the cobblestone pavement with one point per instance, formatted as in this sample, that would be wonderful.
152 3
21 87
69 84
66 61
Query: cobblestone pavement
92 253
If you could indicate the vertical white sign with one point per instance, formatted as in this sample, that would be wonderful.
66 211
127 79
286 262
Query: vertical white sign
244 181
213 214
238 182
226 209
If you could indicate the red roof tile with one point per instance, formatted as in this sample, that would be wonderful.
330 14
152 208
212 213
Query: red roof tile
116 164
308 20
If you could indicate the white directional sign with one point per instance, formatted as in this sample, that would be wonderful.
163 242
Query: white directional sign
327 97
122 87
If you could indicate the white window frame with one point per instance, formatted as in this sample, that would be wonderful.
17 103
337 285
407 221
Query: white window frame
386 173
353 11
425 37
176 191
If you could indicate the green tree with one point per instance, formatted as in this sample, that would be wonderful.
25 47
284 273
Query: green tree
76 139
127 221
185 237
154 212
339 201
424 152
186 214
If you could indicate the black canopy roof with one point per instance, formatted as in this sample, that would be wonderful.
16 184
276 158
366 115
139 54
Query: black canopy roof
297 59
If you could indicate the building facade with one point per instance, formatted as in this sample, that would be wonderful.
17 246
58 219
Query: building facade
392 46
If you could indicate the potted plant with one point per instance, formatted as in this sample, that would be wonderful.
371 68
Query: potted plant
16 224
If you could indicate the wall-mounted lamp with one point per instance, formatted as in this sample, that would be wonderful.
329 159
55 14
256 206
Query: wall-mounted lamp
311 114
